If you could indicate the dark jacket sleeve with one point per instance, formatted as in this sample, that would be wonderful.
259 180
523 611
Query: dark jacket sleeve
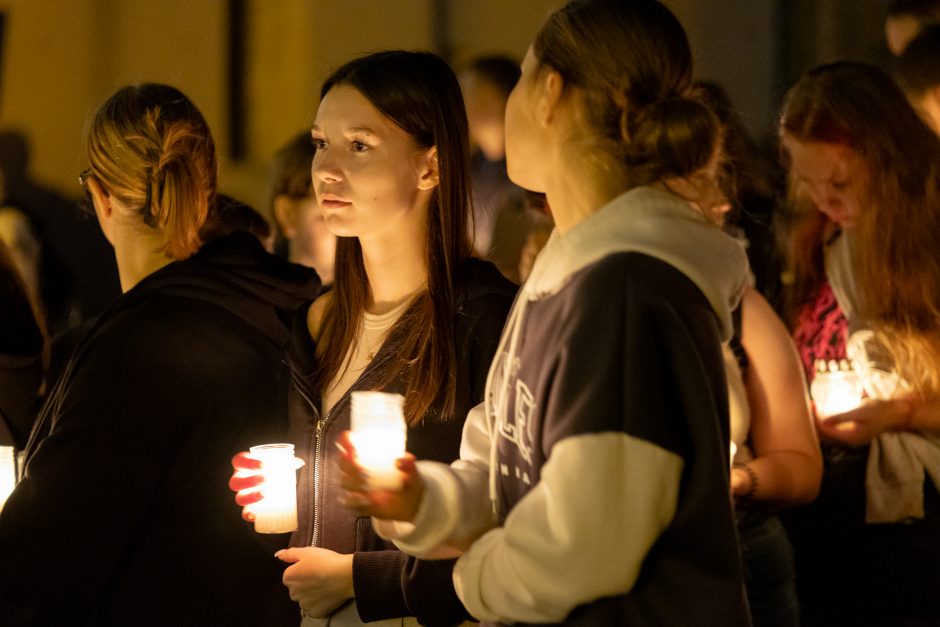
390 583
401 585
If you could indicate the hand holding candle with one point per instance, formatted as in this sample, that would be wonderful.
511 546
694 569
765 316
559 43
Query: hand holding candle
388 504
266 482
835 389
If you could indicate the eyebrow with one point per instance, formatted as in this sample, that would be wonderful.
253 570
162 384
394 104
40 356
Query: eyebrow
365 130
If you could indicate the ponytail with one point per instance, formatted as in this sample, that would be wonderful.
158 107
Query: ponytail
150 147
178 202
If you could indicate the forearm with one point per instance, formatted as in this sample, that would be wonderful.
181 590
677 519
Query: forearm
921 417
454 511
779 479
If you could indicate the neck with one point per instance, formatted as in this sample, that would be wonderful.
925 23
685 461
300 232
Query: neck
138 254
396 269
581 183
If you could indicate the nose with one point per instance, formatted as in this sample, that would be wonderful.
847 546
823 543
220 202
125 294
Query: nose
819 196
325 168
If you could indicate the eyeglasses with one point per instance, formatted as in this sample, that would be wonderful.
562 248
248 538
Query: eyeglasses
87 203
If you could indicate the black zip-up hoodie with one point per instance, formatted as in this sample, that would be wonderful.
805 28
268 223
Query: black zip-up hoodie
124 516
389 584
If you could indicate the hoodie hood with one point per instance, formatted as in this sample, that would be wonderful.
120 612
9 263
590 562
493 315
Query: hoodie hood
236 273
656 223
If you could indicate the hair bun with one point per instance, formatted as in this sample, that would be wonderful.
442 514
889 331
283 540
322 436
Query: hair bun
675 135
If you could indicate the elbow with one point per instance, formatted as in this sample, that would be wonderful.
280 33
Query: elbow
806 481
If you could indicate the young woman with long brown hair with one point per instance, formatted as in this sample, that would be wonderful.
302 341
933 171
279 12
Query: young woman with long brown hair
410 312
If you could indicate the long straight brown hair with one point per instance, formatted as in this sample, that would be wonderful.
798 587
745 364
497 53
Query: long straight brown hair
418 92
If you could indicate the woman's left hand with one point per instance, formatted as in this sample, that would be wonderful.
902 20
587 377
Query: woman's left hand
863 424
319 580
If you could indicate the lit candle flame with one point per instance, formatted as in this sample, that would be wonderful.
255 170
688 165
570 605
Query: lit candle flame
379 433
7 473
835 389
276 512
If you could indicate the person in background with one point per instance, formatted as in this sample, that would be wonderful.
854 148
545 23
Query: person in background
411 313
302 233
865 185
918 73
25 249
593 486
541 229
905 20
123 515
24 353
485 83
502 217
752 183
78 277
232 215
776 462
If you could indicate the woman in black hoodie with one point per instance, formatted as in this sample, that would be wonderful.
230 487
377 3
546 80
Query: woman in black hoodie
123 516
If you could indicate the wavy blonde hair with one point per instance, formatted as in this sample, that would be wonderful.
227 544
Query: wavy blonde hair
150 147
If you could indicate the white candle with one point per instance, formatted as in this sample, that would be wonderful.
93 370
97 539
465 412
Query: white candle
836 388
379 432
7 473
276 512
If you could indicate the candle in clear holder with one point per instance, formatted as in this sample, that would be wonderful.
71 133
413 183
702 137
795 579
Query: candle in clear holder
276 512
379 432
7 473
836 388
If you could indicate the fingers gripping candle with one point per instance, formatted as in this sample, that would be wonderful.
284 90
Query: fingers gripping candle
378 433
835 388
276 512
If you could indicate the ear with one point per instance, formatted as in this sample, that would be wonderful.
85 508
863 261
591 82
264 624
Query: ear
429 172
285 215
104 210
550 89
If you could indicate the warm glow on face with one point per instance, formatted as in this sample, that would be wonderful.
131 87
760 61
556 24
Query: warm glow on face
832 175
366 169
899 31
522 148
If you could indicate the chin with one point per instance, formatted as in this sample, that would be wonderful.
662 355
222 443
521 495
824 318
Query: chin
339 226
523 180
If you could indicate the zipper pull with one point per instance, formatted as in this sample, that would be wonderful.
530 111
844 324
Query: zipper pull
319 426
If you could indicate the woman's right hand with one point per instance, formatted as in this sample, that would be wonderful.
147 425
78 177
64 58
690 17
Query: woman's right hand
401 504
245 482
